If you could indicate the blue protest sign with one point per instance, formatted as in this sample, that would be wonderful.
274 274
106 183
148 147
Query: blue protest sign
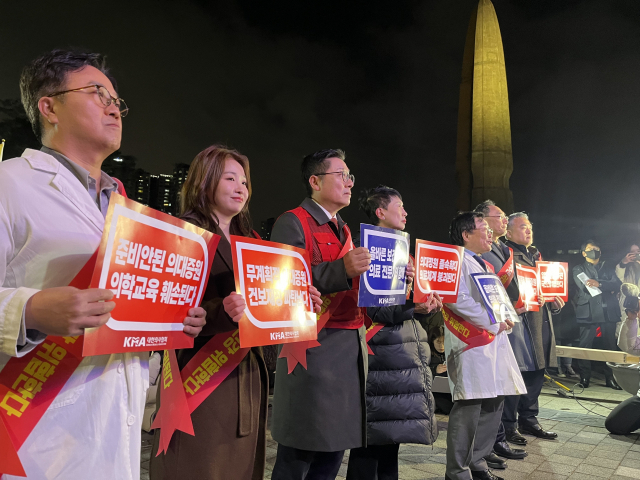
384 283
495 298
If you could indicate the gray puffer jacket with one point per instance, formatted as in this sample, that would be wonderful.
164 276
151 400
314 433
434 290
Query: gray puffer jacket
400 405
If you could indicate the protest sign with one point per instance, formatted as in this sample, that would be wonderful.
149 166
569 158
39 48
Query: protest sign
384 283
495 298
553 278
437 270
274 279
157 266
529 287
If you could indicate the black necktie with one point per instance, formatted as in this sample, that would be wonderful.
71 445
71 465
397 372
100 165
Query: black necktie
481 262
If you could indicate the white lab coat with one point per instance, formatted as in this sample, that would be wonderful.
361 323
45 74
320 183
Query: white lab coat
481 372
49 227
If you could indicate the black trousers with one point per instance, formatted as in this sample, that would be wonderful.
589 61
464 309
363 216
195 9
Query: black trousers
524 408
375 462
625 418
295 464
587 337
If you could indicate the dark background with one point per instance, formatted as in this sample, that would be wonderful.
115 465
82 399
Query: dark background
278 80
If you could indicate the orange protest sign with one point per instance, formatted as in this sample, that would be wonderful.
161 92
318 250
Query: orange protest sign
529 287
553 280
157 267
274 279
437 270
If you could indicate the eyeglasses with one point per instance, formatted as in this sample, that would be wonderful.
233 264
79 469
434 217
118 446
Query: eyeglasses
346 176
104 95
501 217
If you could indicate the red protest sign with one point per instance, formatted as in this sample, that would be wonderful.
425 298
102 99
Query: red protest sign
553 280
274 279
529 287
157 266
437 270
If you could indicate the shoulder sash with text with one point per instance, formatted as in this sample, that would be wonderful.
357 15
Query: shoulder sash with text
465 331
29 384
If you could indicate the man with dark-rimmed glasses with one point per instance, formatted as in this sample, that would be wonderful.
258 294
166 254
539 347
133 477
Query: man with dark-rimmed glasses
53 204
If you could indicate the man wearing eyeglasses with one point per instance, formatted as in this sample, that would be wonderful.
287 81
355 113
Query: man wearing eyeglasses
52 208
319 411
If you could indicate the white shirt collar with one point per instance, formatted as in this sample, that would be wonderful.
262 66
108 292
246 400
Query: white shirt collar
324 210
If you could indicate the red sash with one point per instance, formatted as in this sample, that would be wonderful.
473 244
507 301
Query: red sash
29 384
297 352
506 272
213 363
465 331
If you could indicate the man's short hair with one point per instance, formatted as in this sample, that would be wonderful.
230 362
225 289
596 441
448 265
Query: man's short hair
463 222
484 207
590 241
317 163
515 215
374 198
48 73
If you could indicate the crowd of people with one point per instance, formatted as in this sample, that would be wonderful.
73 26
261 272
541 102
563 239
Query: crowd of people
53 203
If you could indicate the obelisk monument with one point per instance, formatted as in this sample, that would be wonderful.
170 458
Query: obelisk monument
484 160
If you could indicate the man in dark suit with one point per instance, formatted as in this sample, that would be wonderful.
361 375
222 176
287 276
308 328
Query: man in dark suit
602 310
533 340
319 411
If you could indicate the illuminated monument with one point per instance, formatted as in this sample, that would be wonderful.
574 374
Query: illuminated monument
484 160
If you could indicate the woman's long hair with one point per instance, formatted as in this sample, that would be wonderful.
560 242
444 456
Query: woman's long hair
198 192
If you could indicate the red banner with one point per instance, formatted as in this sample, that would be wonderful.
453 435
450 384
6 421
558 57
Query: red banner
529 287
274 279
553 278
371 331
465 331
437 270
30 383
157 267
200 377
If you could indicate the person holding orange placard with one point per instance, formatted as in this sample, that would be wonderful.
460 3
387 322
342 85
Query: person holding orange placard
230 424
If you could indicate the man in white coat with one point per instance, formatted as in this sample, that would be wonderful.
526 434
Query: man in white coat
52 208
481 365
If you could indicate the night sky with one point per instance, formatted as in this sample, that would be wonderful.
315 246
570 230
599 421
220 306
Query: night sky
278 80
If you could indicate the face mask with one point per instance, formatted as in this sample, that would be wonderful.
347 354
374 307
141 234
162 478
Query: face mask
593 254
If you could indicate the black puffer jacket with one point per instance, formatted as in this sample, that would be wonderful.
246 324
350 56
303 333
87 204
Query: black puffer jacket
400 405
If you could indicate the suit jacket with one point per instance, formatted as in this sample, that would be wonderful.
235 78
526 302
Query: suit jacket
321 408
528 339
591 309
230 425
49 227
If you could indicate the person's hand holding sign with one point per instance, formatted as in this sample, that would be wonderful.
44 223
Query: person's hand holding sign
194 322
234 304
592 283
410 271
506 325
558 303
356 262
67 311
433 303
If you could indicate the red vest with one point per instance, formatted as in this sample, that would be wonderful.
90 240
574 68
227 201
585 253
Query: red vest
323 245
